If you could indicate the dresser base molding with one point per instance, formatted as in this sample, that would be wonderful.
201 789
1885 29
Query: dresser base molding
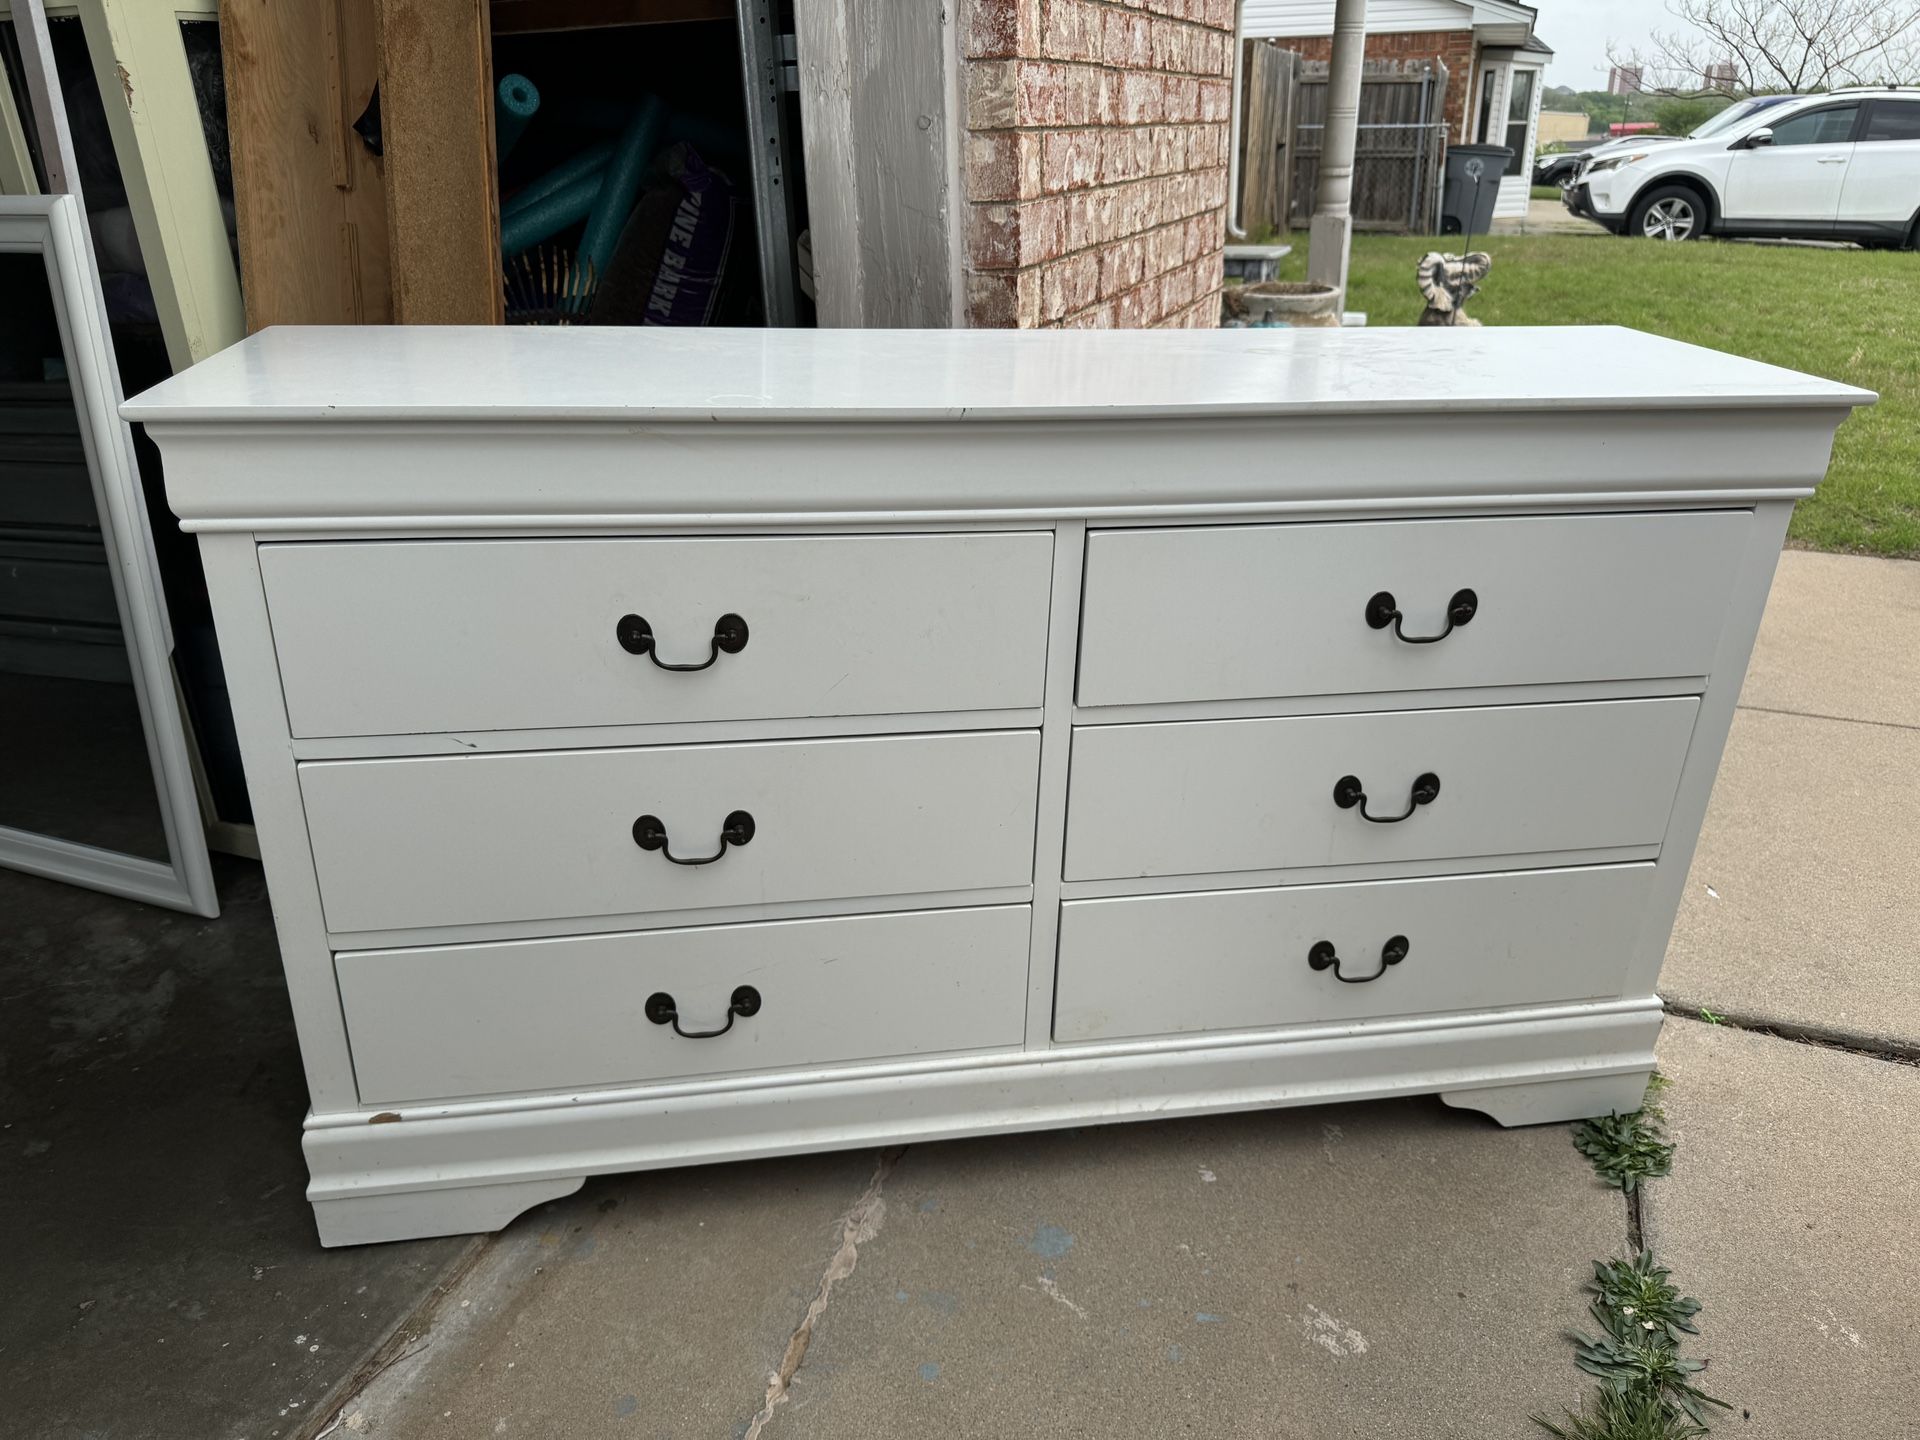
416 1214
1545 1102
456 1169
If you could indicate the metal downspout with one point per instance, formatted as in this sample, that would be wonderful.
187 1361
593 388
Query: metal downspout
1236 227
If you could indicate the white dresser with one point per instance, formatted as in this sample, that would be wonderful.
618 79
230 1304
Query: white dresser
673 747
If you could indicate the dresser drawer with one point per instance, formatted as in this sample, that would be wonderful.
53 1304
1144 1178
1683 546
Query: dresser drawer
1245 959
469 839
402 637
439 1024
1255 611
1225 795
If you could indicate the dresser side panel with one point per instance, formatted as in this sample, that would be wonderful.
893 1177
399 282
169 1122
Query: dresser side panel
260 717
1710 730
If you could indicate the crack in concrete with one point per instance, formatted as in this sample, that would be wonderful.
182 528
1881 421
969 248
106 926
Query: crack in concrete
1816 715
1820 1038
859 1225
1894 1052
409 1338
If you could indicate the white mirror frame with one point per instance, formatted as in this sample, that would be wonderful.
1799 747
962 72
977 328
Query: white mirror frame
53 227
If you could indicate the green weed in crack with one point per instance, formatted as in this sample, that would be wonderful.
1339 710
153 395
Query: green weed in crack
1626 1149
1646 1389
1618 1415
1639 1290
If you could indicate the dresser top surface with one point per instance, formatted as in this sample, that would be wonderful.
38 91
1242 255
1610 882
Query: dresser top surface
428 373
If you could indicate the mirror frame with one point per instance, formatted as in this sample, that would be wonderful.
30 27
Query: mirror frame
53 227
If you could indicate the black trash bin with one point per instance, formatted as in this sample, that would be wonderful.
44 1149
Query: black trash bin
1472 185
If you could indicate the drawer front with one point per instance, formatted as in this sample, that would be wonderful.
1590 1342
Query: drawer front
1243 612
470 839
1224 795
470 1020
1244 959
396 638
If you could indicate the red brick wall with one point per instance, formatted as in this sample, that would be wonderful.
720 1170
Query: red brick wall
1453 47
1095 161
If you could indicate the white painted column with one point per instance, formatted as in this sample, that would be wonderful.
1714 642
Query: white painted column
1331 232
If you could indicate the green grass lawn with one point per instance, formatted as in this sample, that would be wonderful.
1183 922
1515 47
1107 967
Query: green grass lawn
1849 315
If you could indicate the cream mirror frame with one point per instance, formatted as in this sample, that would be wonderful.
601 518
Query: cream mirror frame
53 227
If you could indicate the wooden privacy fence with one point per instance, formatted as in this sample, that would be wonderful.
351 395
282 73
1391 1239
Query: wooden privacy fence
1266 137
1399 151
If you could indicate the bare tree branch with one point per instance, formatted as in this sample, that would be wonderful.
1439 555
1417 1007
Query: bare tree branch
1792 45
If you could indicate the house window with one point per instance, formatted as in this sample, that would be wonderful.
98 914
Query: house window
1519 116
1489 88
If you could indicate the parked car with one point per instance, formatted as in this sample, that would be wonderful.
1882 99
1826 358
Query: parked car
1839 166
1564 168
1556 169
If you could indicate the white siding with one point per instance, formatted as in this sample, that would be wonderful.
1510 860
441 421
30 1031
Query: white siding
1315 17
1515 194
1515 190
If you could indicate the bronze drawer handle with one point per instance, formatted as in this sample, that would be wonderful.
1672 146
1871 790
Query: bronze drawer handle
649 833
1383 610
1322 957
1349 792
661 1010
636 638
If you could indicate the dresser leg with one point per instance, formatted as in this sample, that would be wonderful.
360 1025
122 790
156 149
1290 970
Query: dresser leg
466 1210
1547 1102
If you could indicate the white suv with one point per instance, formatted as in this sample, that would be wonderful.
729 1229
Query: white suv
1840 166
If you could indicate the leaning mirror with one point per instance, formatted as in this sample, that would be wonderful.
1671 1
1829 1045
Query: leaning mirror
95 786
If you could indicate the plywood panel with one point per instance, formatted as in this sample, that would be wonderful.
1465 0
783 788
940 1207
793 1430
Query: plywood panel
443 209
307 191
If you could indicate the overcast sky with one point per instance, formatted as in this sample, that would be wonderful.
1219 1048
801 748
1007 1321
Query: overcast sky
1578 31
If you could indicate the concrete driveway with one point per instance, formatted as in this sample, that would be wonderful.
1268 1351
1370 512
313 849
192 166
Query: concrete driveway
1548 217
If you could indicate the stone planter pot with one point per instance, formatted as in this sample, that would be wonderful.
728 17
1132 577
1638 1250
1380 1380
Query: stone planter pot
1292 302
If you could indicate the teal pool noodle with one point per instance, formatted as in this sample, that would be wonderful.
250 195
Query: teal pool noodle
589 161
624 173
548 216
515 99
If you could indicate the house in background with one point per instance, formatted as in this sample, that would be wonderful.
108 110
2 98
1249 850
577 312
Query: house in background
1493 58
1561 127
